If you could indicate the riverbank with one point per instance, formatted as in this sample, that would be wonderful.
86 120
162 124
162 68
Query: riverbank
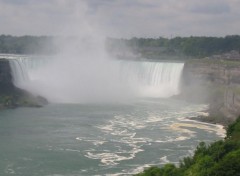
214 81
21 99
213 120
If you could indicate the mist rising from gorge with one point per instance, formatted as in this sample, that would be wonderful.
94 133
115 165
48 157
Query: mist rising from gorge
81 71
84 72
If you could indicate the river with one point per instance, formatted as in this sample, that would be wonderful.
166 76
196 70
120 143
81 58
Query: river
100 139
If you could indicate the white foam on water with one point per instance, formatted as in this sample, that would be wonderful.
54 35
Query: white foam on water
136 170
94 141
191 152
72 150
9 169
221 131
79 139
108 158
113 158
205 114
106 127
126 145
152 119
171 139
140 169
133 140
216 128
181 138
164 160
180 127
122 133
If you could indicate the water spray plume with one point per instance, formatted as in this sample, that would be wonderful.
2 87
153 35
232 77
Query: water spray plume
83 72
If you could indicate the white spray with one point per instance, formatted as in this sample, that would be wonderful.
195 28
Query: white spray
83 72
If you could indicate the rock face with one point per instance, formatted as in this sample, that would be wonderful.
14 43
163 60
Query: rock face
6 84
11 96
214 81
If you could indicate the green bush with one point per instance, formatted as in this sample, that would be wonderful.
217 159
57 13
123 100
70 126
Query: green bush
221 158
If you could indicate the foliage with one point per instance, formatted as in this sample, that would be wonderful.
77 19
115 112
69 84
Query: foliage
27 44
188 46
167 170
233 130
229 165
147 47
221 158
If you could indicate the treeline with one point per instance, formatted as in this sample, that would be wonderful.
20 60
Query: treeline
221 158
145 47
187 46
27 44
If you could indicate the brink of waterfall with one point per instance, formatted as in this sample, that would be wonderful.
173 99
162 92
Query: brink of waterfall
96 81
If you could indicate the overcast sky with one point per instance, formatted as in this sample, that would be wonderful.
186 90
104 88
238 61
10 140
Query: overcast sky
120 18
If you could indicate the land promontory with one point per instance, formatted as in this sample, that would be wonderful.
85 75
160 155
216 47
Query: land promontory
12 96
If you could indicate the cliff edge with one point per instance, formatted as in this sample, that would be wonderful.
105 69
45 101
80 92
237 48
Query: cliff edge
10 95
214 80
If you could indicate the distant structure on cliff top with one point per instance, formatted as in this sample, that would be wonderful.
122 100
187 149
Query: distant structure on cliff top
232 55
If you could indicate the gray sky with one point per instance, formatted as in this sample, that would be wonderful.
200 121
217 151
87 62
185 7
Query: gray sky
120 18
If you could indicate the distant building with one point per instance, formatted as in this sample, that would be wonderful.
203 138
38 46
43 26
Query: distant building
232 55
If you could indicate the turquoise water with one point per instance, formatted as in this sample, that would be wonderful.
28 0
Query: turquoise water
119 139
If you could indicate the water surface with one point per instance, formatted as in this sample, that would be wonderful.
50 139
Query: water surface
119 139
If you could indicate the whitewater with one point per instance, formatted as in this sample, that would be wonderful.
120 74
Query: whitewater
100 139
117 125
96 81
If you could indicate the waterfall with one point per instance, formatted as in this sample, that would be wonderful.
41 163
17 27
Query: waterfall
23 69
96 81
153 79
19 73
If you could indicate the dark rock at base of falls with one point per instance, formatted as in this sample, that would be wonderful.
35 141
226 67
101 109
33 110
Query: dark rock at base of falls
12 96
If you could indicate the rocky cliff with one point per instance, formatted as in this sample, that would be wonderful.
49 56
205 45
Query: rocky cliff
6 84
216 81
11 96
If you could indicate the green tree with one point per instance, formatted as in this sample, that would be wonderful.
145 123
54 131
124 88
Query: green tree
229 165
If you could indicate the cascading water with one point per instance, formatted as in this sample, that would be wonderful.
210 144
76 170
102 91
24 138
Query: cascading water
19 73
153 79
122 79
24 67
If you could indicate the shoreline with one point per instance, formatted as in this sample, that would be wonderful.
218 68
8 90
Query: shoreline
221 128
211 120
